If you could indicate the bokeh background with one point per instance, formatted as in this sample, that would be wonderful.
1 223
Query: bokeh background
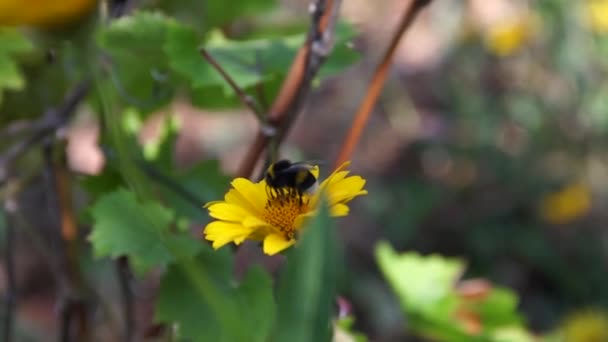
488 144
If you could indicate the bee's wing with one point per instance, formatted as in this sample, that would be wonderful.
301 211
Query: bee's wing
309 164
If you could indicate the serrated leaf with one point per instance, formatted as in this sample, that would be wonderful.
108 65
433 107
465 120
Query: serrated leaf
200 297
124 226
139 65
138 37
184 57
307 287
248 62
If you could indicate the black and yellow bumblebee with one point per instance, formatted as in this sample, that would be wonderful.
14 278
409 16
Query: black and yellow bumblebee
285 178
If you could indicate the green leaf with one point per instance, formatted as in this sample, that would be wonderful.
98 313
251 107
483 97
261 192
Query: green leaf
236 58
139 65
248 63
256 304
425 287
343 55
205 181
199 296
124 226
498 309
201 183
308 284
136 38
180 301
211 14
12 43
423 284
344 328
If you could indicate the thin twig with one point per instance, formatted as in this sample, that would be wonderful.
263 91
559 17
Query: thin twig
74 320
296 86
377 82
168 182
247 100
9 260
51 121
124 279
17 128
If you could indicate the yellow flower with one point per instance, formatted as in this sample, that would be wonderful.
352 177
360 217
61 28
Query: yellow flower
567 204
43 12
597 15
247 211
585 326
508 36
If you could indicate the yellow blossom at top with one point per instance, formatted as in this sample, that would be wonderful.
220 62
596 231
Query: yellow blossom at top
504 38
597 15
567 204
43 12
250 211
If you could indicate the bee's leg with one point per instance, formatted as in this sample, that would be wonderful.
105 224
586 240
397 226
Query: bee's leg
268 192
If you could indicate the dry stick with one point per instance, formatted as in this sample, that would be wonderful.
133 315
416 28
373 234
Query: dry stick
51 121
247 100
69 234
9 260
296 86
71 308
377 82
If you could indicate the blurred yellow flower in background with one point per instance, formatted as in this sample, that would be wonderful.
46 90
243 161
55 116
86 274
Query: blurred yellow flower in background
248 212
566 205
597 15
43 12
509 35
585 326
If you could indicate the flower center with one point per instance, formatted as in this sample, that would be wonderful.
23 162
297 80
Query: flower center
281 212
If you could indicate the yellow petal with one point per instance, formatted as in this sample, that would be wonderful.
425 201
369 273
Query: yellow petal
275 243
340 189
252 193
208 204
221 233
255 222
228 212
236 198
339 210
346 189
336 176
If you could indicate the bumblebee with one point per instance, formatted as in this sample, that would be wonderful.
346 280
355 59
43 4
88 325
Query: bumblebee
285 178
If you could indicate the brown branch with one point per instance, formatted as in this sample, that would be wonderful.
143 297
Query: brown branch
377 82
296 86
247 100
